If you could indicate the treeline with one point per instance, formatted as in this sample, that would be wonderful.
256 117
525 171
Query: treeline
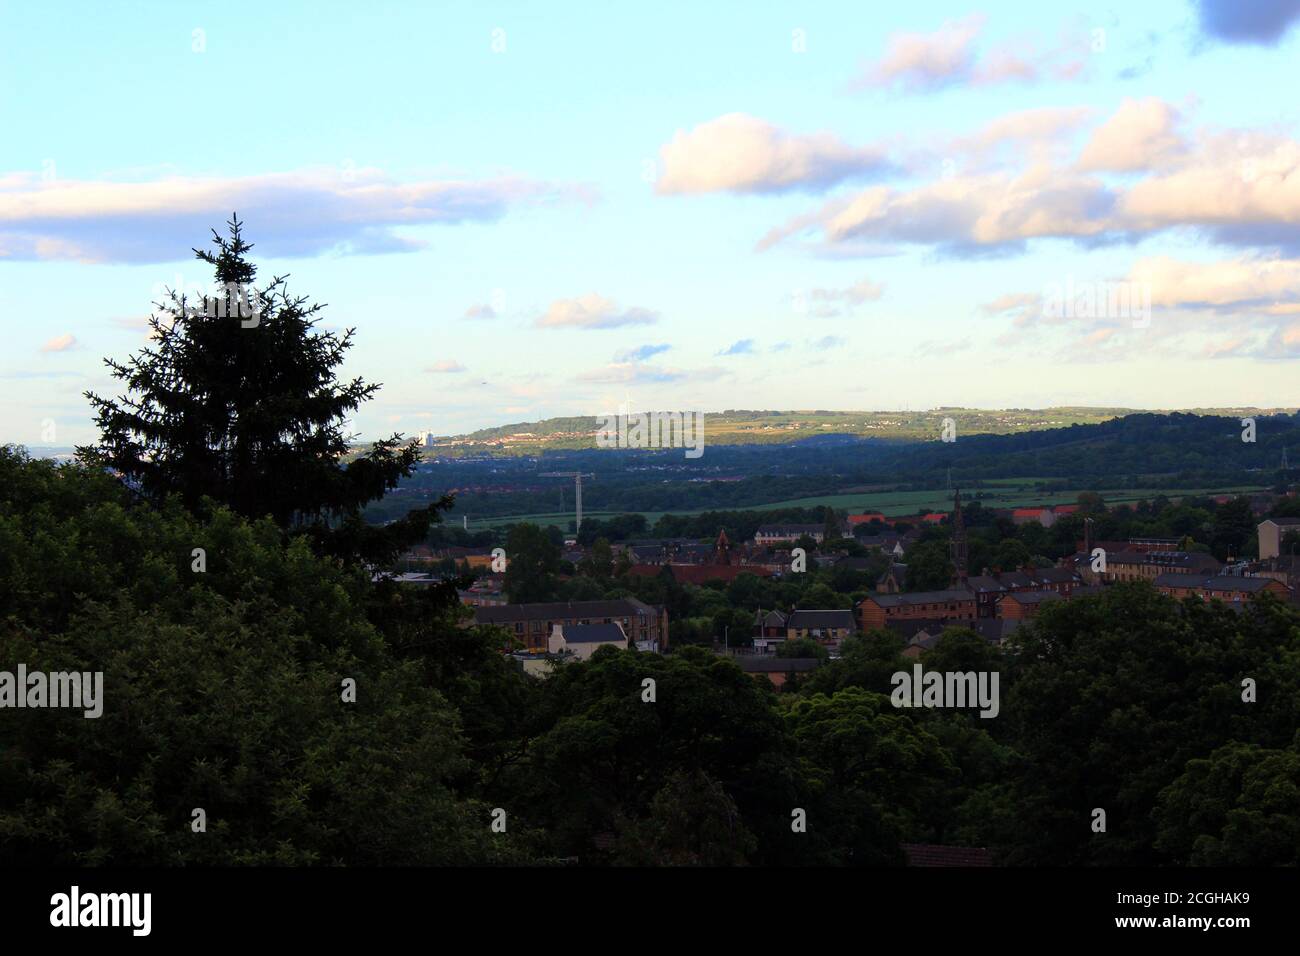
225 690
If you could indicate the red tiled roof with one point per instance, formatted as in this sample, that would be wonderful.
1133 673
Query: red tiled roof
1027 512
933 854
867 518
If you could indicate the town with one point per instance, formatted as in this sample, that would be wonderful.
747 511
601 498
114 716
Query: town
806 588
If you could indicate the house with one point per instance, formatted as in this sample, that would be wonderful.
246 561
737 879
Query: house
1271 533
866 518
1148 565
770 534
582 640
888 544
474 557
532 624
828 628
1024 605
1284 568
987 590
485 598
1044 516
993 630
894 580
769 631
877 610
1234 589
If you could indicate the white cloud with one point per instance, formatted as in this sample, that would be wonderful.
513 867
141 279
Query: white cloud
949 56
1142 134
743 154
592 311
445 367
60 343
303 213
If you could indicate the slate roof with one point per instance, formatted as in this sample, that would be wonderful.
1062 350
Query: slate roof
561 610
593 634
811 619
1223 582
920 597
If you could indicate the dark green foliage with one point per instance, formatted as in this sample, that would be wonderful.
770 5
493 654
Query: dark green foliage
533 560
238 400
222 690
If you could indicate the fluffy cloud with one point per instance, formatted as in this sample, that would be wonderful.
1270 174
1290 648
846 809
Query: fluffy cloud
963 212
1045 127
827 303
445 367
1262 22
743 154
592 311
1021 307
1245 189
481 311
1240 189
60 343
920 62
1268 286
295 214
1140 135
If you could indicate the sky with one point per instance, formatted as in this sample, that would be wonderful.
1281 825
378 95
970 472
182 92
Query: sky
528 210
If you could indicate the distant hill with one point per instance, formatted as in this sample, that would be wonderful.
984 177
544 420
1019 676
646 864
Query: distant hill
748 427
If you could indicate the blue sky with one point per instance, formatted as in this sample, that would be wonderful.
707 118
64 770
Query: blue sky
530 210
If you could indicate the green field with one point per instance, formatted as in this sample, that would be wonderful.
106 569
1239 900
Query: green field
1008 493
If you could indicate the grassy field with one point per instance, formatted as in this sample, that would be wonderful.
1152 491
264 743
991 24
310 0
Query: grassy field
1007 493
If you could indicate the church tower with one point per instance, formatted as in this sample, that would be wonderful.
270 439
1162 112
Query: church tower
722 548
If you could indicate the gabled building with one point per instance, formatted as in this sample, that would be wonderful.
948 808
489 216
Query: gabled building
1025 605
1148 565
877 610
867 517
770 534
532 624
828 628
1232 589
583 640
1271 533
894 580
